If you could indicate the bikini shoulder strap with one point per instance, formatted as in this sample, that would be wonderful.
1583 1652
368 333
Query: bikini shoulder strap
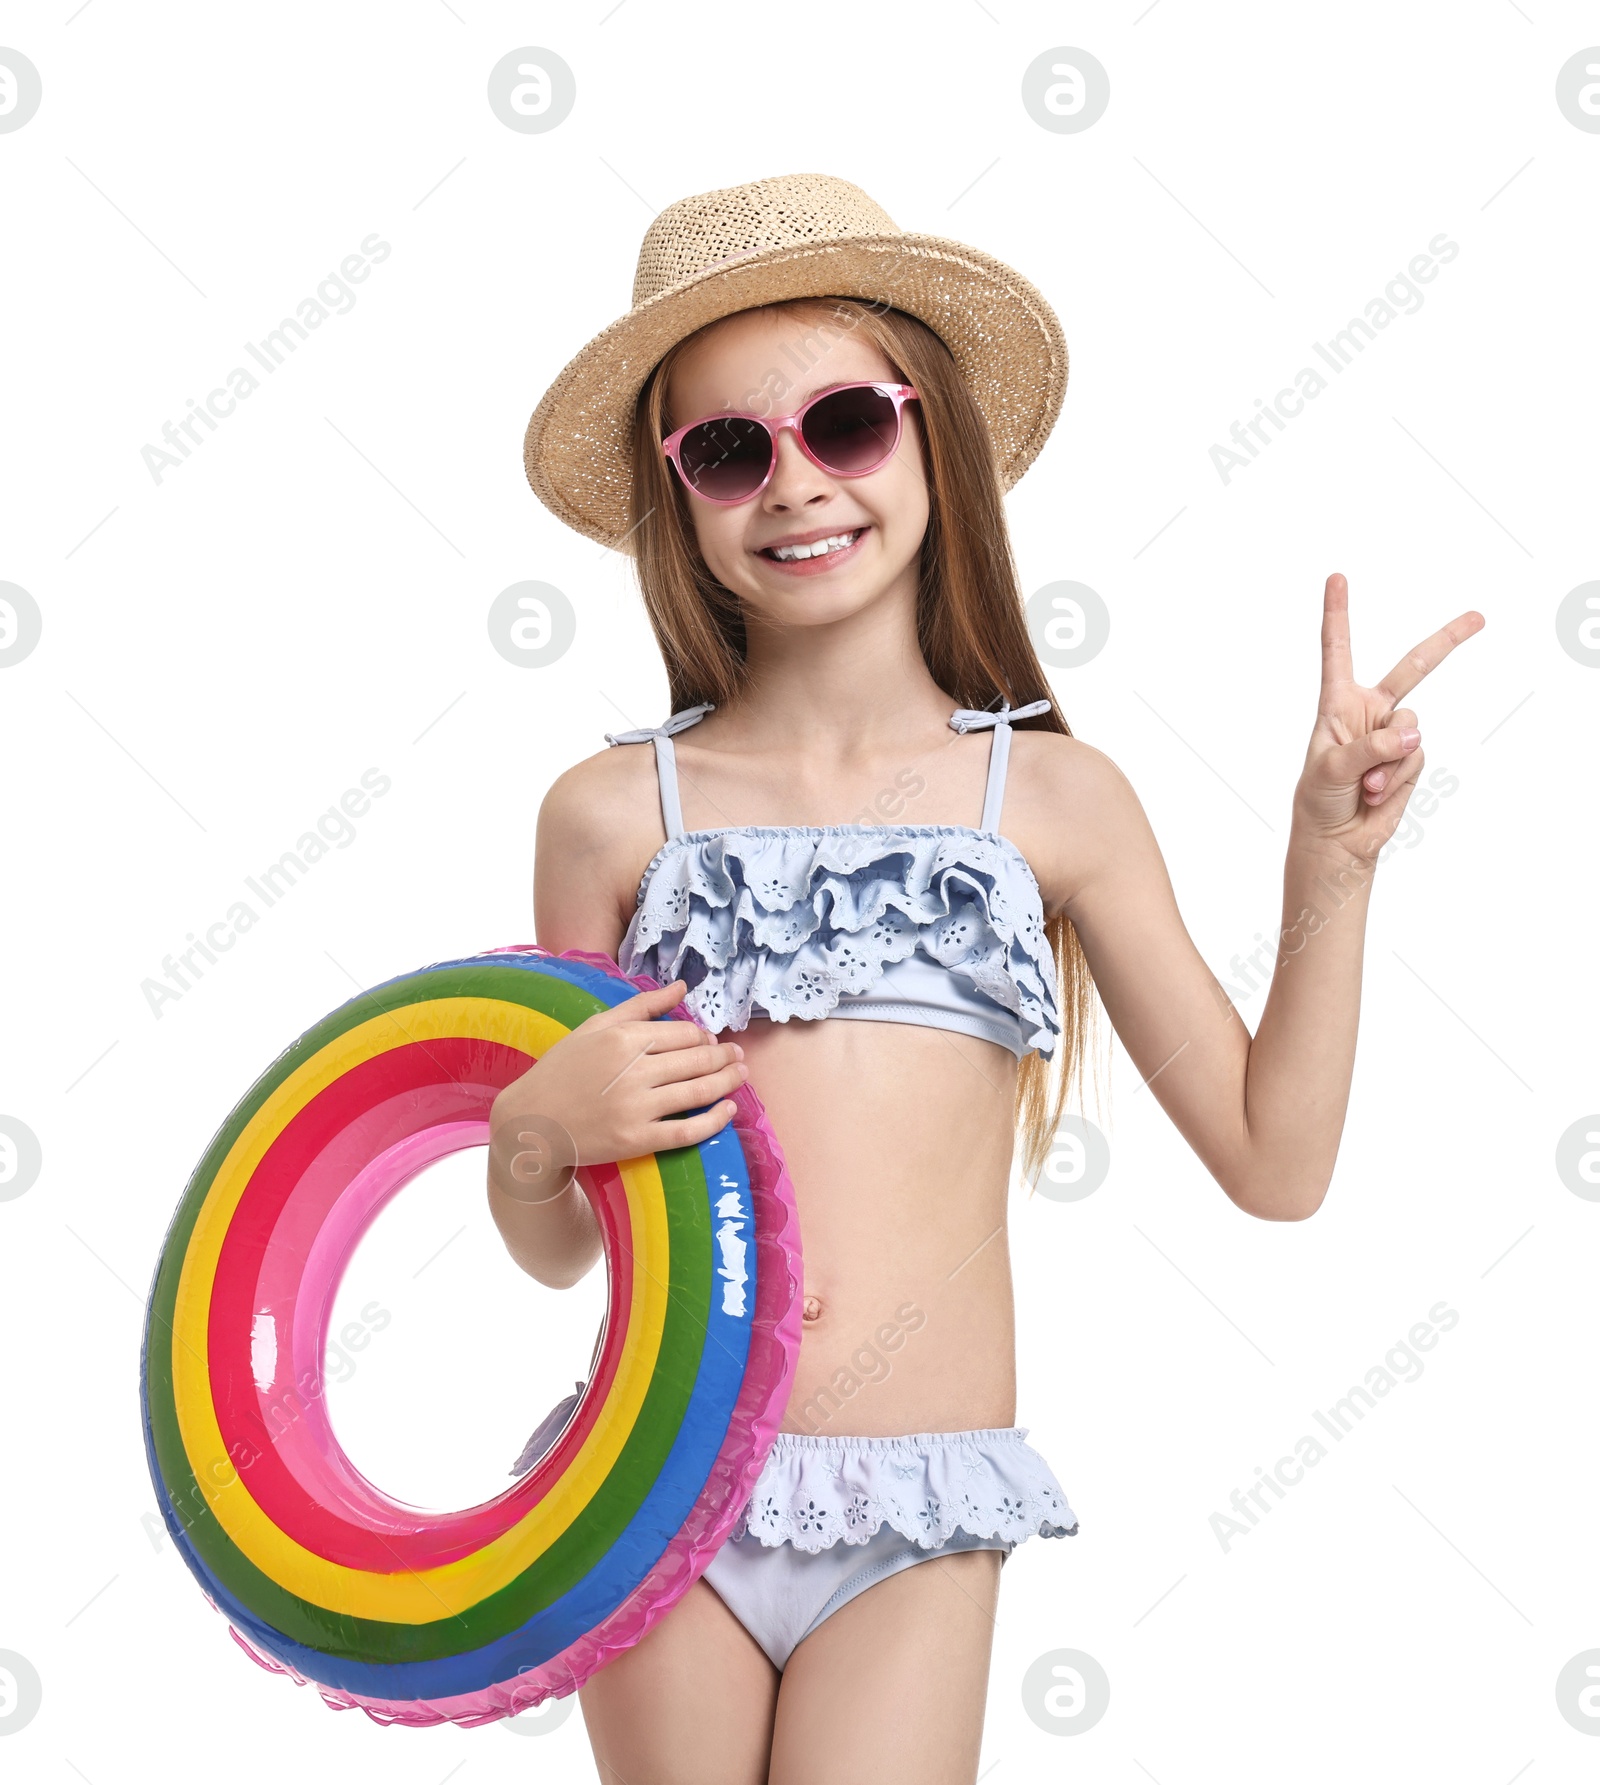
666 759
969 719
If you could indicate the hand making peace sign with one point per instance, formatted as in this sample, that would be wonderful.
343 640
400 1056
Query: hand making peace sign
1366 749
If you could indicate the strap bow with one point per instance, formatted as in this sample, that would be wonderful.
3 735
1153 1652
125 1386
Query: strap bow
678 722
969 719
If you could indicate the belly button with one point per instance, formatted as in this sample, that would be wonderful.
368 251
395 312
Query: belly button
812 1309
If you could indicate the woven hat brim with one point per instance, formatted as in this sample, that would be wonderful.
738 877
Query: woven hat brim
1006 340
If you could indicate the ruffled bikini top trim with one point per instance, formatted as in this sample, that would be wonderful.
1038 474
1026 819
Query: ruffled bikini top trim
785 920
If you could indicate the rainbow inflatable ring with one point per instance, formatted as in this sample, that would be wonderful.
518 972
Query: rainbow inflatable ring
422 1617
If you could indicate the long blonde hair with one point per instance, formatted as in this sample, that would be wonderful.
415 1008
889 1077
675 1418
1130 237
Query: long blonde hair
970 621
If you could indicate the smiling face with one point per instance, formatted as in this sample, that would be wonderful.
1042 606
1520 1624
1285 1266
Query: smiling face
746 364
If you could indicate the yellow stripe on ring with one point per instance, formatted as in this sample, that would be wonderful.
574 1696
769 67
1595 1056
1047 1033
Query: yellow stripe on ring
416 1596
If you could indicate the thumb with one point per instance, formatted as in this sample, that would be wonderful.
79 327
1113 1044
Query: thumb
1389 743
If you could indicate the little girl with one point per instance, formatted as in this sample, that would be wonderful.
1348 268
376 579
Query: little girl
867 806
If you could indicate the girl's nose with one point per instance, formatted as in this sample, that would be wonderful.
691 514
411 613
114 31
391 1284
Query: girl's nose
796 482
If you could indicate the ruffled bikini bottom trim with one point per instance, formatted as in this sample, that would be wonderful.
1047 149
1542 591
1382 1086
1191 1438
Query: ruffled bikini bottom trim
814 1492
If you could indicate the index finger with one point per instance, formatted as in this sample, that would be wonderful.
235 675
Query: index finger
1429 655
1336 632
662 1033
658 997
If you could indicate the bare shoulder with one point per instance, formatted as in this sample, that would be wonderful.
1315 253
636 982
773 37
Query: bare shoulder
1071 810
599 825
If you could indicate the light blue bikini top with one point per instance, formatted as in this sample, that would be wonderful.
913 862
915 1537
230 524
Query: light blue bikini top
937 924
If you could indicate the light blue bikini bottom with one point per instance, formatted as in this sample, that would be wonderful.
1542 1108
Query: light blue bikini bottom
781 1594
830 1517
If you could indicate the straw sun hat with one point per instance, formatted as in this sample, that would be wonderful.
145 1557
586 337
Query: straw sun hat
801 235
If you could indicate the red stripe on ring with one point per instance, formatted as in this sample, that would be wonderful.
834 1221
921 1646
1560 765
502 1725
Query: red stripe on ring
466 1073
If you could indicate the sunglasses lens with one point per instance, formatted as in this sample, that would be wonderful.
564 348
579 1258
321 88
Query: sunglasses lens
726 459
851 431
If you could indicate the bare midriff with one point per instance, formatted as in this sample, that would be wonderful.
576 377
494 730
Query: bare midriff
898 1139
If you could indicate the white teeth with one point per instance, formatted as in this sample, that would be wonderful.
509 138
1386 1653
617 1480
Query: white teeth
837 543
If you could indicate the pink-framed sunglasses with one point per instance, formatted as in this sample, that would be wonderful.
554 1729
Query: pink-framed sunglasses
847 432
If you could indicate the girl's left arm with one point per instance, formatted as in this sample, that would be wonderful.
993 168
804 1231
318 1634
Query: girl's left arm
1264 1114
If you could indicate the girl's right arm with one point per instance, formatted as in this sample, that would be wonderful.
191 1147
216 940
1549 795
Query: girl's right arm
616 1086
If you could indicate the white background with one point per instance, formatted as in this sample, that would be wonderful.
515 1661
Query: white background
225 652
